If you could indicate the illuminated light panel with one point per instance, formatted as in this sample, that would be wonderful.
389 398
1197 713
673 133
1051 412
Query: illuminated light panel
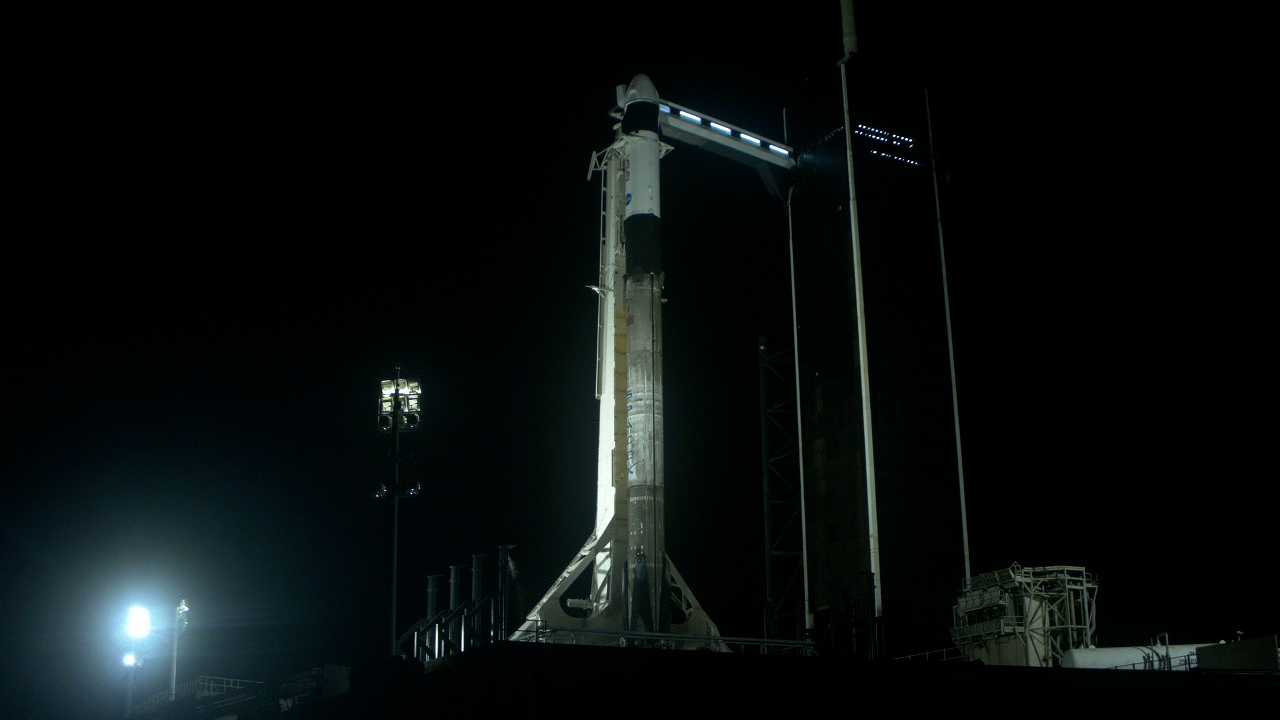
781 151
685 115
409 393
748 139
138 624
663 107
884 136
130 660
894 157
406 387
720 128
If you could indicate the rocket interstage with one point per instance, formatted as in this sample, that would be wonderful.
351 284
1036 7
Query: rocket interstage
633 587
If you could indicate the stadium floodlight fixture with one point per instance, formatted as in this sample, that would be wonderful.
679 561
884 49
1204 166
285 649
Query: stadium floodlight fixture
400 405
137 624
399 410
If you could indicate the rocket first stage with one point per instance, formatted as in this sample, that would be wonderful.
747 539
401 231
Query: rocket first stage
633 591
642 239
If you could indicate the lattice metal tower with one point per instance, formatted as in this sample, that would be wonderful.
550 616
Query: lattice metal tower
1026 616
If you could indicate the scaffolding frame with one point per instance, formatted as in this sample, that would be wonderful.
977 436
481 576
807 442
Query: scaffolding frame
1026 616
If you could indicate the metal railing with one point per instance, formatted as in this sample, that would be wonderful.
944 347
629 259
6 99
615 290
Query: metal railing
951 653
673 641
164 697
210 686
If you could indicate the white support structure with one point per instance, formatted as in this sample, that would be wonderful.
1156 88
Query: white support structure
1026 616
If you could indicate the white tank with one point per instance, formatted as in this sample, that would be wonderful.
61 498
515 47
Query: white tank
1136 657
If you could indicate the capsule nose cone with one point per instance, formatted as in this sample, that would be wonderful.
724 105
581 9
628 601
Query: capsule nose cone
640 90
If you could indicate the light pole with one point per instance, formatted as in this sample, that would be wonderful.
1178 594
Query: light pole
399 410
137 625
179 625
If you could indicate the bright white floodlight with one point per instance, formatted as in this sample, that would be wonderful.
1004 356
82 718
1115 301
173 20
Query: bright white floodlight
138 624
130 659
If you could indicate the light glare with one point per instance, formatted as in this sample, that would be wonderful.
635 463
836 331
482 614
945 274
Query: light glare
138 624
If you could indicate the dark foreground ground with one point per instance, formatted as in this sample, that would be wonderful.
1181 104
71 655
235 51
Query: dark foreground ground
522 679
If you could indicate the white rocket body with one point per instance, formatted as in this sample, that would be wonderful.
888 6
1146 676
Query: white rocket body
633 587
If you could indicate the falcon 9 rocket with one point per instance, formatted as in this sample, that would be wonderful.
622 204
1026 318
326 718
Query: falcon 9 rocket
634 591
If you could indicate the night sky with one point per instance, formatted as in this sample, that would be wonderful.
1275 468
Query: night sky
225 231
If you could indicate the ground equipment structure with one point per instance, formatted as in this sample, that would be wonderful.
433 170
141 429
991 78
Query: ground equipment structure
1026 616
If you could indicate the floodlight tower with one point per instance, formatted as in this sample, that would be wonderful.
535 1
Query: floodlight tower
137 625
179 626
399 410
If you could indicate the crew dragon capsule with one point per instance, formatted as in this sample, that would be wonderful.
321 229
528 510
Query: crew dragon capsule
622 580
